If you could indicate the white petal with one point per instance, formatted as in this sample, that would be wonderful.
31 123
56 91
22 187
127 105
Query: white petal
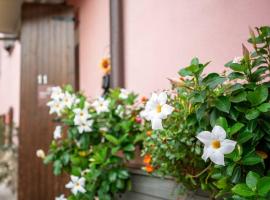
156 123
154 97
82 181
74 178
162 98
81 189
217 157
74 190
206 153
205 137
167 109
219 132
69 185
227 146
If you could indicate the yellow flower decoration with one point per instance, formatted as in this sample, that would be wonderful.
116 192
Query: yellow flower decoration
105 65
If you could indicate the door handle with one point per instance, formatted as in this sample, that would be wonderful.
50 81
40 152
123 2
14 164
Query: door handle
45 79
39 79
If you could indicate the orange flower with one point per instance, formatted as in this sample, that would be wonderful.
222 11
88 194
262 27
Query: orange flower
149 133
147 159
144 99
262 154
105 65
149 168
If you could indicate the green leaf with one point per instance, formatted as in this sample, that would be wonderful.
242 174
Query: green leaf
252 114
57 167
123 174
213 79
263 186
236 175
235 128
265 107
112 176
223 104
120 184
251 159
195 61
48 159
243 190
112 139
222 183
252 180
200 112
244 136
237 67
258 96
129 147
221 121
241 96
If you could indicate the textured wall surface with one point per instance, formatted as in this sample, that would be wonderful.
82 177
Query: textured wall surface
161 36
10 80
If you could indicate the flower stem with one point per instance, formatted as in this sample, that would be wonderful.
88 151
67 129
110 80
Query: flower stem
202 172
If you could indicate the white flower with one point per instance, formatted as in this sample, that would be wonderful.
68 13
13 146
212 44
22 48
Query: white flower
62 197
216 145
124 94
40 154
76 184
68 100
57 132
81 116
85 126
156 110
101 105
56 93
237 60
55 107
120 111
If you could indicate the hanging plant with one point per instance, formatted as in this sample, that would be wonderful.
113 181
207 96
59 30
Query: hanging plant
212 132
94 141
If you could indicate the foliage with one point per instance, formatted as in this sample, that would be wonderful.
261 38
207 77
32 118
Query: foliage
99 140
237 101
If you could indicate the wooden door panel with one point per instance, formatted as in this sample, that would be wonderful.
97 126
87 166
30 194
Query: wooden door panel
47 39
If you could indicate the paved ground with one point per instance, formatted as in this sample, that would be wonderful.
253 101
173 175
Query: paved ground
6 194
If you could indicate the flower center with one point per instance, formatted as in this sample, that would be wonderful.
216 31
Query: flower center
158 108
216 144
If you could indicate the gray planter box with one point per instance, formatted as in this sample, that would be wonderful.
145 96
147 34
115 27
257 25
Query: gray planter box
145 187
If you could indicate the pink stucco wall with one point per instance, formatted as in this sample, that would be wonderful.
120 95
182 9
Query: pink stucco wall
160 37
94 42
10 80
163 35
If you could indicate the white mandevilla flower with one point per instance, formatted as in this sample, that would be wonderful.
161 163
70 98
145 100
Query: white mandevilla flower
61 197
68 100
237 60
123 94
76 185
57 132
55 107
216 145
156 110
81 115
101 105
56 93
85 126
40 154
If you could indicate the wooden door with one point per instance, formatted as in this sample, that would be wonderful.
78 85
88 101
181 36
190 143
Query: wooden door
48 50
